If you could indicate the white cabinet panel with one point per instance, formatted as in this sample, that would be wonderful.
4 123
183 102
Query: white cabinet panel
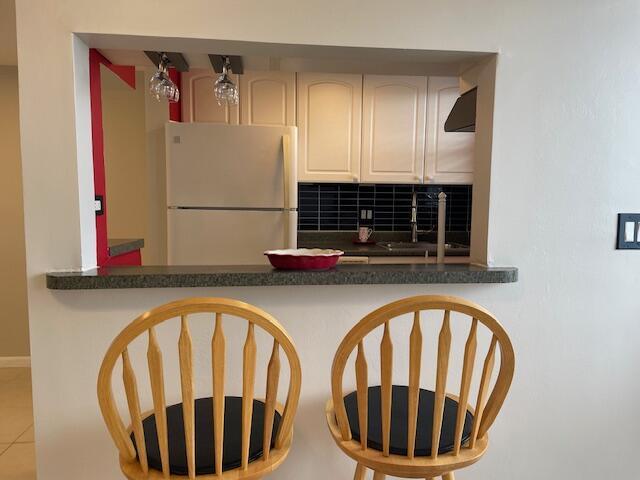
393 137
268 98
329 127
450 155
199 103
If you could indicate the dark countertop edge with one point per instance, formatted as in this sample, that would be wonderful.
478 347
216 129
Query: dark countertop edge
342 275
383 252
399 253
373 250
120 246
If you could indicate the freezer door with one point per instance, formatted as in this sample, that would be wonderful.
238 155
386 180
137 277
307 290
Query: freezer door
220 237
238 166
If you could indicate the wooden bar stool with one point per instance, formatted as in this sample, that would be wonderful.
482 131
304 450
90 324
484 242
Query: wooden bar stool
216 437
392 429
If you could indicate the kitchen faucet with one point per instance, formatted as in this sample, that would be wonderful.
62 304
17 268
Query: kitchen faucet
442 205
414 218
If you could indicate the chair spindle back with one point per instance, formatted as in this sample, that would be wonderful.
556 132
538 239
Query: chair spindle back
182 309
486 407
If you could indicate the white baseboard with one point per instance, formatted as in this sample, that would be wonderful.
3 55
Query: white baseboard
6 362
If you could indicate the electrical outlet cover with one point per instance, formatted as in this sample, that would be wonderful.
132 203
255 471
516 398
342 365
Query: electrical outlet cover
628 231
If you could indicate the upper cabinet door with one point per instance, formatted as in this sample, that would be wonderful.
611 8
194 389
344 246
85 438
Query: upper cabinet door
393 138
199 103
450 155
329 127
268 98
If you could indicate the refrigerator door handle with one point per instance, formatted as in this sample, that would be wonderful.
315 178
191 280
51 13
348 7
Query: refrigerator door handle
290 169
291 230
289 156
286 154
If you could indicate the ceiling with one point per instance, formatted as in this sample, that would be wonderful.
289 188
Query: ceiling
303 64
128 50
8 51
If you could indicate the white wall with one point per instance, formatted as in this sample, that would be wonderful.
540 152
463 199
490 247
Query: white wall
14 324
565 153
123 117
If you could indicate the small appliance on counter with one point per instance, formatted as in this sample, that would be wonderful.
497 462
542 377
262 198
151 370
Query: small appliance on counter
231 192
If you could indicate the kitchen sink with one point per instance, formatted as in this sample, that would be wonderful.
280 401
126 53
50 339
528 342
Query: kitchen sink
407 245
396 246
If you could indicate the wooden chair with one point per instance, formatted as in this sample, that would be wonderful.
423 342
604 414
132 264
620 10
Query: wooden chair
212 438
391 429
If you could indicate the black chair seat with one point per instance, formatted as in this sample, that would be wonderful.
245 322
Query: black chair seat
232 449
399 420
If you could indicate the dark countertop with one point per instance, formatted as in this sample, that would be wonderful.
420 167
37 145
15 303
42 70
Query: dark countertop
120 246
265 275
459 242
373 250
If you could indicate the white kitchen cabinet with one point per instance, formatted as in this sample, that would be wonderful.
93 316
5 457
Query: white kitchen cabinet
329 127
268 98
450 155
199 103
393 128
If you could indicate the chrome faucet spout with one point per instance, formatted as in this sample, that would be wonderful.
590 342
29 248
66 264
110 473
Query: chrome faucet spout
414 218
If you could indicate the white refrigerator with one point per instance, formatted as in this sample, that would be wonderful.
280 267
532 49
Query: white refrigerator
231 192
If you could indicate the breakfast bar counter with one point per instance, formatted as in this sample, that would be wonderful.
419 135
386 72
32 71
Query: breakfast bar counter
265 275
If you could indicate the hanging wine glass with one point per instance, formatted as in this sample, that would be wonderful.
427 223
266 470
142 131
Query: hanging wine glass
160 85
157 80
224 89
170 90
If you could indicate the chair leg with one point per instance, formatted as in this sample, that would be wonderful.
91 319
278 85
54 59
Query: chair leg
378 476
361 470
448 476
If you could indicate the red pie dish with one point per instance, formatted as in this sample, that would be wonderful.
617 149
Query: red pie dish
304 258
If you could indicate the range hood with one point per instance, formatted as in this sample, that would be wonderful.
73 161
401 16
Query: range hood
463 114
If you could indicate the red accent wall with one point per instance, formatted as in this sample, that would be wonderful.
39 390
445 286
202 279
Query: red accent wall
175 109
128 75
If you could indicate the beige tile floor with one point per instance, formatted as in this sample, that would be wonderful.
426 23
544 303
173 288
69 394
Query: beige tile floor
17 456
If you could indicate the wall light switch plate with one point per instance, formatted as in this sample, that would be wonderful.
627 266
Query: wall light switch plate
628 231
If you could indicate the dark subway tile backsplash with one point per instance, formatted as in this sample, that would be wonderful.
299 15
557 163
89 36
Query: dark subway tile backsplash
337 206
